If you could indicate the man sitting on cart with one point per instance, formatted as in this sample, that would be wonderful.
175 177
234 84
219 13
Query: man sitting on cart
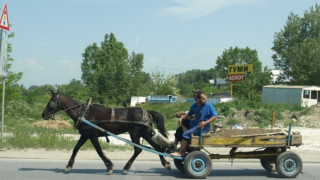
179 130
204 115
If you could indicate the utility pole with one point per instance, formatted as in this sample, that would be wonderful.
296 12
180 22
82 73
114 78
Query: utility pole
4 25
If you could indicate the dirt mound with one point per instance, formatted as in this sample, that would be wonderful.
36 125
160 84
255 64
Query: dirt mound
55 124
248 118
312 119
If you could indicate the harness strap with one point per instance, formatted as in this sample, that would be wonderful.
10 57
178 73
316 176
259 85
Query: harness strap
77 124
119 121
86 110
113 115
145 115
145 119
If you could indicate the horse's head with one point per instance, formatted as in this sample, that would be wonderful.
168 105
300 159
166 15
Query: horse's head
52 107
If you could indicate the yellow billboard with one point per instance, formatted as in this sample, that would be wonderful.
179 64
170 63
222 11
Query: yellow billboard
240 69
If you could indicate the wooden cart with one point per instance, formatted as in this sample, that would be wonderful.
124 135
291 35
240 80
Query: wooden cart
272 150
197 164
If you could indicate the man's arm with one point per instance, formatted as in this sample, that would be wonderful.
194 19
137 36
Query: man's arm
183 117
204 123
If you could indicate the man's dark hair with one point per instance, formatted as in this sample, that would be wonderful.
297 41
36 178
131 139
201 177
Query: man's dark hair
198 92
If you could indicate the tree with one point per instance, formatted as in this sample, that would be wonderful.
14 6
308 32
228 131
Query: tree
163 84
12 88
195 79
35 93
186 90
158 80
297 48
104 70
169 86
111 75
75 89
252 85
140 83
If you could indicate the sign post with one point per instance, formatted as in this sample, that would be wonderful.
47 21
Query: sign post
238 73
4 25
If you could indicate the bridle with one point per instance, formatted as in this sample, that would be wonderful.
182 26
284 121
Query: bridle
58 104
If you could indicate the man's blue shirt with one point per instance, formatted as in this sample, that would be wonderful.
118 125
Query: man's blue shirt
202 113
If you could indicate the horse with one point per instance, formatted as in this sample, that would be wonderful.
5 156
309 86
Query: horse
136 121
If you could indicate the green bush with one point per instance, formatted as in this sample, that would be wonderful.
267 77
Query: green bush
225 109
168 111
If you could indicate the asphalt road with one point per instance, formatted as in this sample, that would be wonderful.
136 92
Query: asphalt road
12 169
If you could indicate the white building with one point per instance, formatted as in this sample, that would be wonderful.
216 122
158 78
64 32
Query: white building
305 96
137 100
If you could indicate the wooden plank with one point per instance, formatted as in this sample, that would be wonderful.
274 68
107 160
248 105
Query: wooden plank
251 135
296 140
254 137
259 141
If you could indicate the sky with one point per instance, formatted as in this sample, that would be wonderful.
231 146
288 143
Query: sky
174 35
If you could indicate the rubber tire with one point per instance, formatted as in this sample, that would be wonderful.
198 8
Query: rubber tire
288 164
179 164
269 164
197 165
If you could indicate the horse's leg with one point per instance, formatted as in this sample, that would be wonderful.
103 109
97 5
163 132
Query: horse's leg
158 148
79 144
135 138
107 162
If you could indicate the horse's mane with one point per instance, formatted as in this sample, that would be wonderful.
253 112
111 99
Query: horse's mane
73 100
99 106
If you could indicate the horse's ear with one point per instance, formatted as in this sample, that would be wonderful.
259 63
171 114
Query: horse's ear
52 94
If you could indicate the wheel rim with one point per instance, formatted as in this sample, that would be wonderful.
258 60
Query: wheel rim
289 166
198 166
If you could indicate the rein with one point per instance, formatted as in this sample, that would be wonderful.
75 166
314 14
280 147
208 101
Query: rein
65 110
52 114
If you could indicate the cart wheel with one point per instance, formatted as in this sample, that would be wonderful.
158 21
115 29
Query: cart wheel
179 164
288 164
197 165
269 164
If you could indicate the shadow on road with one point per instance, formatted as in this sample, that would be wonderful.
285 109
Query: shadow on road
162 172
242 173
147 172
57 170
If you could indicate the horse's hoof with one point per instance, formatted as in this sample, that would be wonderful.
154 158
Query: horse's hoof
68 168
109 172
167 165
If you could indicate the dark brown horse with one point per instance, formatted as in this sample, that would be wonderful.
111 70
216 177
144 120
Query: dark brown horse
136 121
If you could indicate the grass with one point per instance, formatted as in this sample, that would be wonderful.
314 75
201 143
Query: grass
51 141
168 110
19 120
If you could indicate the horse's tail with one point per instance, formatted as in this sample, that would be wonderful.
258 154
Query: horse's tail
159 120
